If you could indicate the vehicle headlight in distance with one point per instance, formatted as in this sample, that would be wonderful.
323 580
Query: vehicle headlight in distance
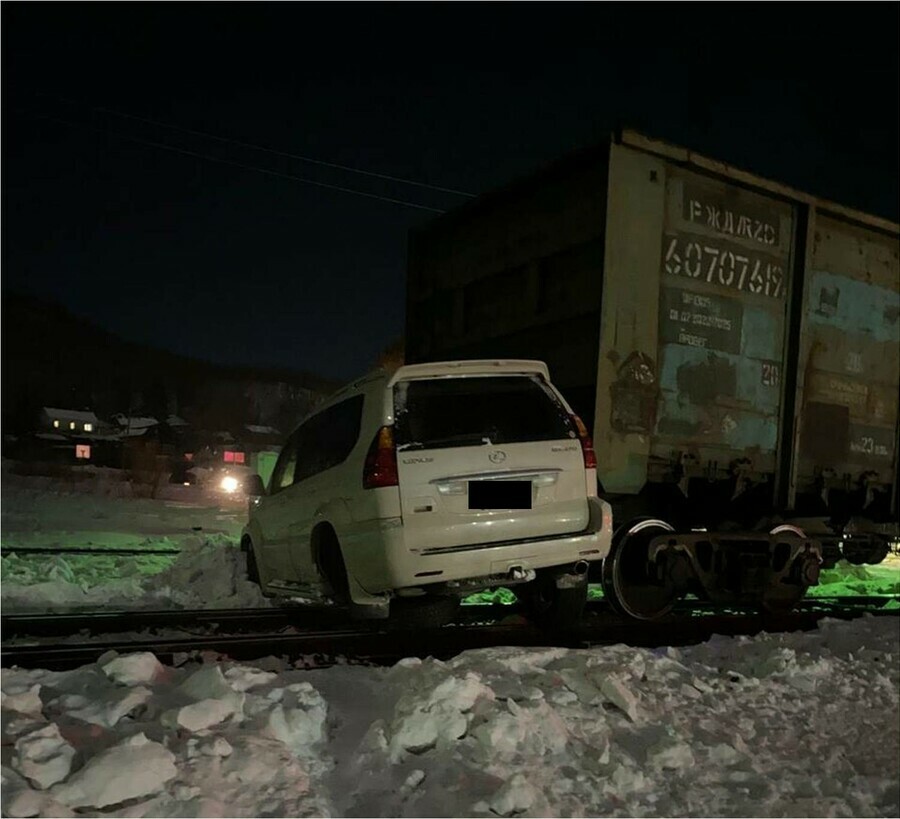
230 484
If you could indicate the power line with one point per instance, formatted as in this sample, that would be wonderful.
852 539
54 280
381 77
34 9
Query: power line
254 147
233 163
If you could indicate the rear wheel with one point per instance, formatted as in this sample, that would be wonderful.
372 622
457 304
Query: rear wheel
626 582
332 566
551 607
426 611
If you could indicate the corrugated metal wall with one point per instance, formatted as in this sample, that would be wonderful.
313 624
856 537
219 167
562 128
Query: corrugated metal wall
702 267
515 274
726 258
698 283
695 300
849 355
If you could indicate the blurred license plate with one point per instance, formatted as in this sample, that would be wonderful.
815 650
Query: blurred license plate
499 494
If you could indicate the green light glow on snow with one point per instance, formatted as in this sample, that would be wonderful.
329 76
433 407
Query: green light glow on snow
504 597
846 579
94 570
86 571
882 579
490 597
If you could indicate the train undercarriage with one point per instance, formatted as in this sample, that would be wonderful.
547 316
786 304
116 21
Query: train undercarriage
727 550
651 566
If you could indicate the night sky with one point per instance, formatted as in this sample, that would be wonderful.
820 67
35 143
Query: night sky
217 260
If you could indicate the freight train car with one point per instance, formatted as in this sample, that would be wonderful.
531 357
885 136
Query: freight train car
732 343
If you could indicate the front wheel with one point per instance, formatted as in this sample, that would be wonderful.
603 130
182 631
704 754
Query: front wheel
552 607
252 567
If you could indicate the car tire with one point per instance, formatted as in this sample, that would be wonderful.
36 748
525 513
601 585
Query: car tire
252 567
427 611
331 564
548 606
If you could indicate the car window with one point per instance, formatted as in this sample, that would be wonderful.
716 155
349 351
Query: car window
469 411
285 466
328 438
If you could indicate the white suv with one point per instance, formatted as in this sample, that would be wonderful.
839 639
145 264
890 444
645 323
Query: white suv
423 485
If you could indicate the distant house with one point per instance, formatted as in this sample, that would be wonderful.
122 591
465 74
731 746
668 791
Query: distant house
68 422
257 429
256 435
134 425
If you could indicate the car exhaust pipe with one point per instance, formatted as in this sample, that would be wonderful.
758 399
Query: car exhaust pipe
574 577
519 574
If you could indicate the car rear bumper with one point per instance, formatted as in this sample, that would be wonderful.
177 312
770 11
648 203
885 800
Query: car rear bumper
380 559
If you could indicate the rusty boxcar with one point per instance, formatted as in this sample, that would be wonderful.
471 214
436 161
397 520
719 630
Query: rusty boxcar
733 344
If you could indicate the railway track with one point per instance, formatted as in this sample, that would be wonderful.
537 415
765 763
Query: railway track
191 620
275 632
88 550
271 618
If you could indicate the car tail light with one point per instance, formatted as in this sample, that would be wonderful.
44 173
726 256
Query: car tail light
381 461
587 445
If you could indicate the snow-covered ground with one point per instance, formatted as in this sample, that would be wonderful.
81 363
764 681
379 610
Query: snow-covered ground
777 725
780 725
210 572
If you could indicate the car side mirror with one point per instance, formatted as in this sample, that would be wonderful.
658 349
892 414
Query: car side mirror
254 485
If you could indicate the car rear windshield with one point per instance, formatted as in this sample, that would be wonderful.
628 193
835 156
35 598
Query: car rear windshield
474 411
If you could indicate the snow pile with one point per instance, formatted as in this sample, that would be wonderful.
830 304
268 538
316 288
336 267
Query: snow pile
845 578
133 768
210 572
799 724
43 756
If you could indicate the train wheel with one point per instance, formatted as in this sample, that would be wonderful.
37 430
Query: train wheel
780 598
879 551
625 580
855 552
873 551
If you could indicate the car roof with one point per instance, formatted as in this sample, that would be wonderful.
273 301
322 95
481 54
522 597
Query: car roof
481 366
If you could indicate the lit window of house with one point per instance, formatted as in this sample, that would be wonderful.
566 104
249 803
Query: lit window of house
55 424
71 425
88 427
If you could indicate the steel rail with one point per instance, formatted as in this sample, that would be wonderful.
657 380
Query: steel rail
6 551
255 619
260 619
380 643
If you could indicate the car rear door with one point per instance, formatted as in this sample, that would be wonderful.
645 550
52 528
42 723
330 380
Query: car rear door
486 458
